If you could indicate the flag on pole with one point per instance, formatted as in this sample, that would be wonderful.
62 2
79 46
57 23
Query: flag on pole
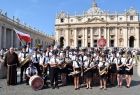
23 36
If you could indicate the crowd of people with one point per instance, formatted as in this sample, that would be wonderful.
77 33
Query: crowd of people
106 66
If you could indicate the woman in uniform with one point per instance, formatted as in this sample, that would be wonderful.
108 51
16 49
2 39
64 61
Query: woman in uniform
88 71
103 70
76 69
129 70
63 69
120 69
54 69
113 69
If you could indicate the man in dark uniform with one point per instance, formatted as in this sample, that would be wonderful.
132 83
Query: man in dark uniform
22 55
11 62
54 70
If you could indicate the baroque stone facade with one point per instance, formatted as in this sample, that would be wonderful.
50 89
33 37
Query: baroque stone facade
9 38
119 29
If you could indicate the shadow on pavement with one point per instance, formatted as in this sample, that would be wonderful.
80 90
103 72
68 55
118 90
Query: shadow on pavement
135 83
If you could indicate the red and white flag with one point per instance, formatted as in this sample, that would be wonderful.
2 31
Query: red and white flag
23 36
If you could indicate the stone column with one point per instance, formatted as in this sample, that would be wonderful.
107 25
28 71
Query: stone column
125 36
75 37
12 38
105 34
116 37
57 37
83 38
86 37
66 38
137 43
99 30
91 37
108 36
0 37
4 44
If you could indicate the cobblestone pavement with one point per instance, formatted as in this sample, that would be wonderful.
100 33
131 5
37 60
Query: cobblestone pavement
23 89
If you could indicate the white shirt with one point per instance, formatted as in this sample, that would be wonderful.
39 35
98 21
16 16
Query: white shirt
54 60
49 53
30 71
97 58
73 57
123 60
132 61
89 64
75 64
84 59
21 55
42 58
61 60
33 58
101 64
2 52
113 61
28 50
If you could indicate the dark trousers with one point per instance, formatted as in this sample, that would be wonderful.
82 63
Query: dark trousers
27 79
21 72
23 69
54 76
38 68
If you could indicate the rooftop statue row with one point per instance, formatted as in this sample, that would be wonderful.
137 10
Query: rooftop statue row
95 10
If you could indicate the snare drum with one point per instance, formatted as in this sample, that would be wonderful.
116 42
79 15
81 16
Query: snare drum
36 82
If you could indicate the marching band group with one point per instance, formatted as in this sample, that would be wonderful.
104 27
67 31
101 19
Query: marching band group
82 66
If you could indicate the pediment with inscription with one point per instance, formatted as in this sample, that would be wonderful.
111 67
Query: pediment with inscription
95 20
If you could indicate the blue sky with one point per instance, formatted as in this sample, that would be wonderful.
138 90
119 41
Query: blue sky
41 13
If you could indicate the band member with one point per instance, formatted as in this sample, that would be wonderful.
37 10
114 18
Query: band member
2 53
120 69
103 70
35 59
54 69
11 62
49 51
112 68
28 49
96 59
82 59
88 71
44 63
22 56
30 71
62 68
129 70
76 69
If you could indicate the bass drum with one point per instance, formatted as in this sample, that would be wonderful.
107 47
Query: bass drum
36 82
2 69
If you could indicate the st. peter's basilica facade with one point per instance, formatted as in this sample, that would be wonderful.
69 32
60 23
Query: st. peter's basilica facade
119 29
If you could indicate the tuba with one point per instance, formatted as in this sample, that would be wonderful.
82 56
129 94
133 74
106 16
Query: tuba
26 60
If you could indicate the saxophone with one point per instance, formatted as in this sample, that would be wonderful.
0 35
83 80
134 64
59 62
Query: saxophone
104 71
